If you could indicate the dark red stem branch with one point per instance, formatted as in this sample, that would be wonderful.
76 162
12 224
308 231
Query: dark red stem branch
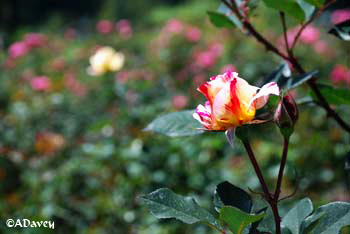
283 20
290 57
257 169
321 99
312 18
281 170
268 197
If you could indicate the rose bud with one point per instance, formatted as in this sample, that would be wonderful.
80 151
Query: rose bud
286 115
231 101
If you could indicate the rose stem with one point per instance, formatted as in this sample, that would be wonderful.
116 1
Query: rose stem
268 197
282 166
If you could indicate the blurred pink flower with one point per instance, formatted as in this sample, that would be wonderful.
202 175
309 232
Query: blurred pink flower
228 68
124 28
104 26
310 35
18 49
216 48
9 63
35 39
339 16
199 79
57 64
320 47
340 74
291 33
174 26
41 83
179 101
205 59
193 34
74 85
70 34
122 76
27 75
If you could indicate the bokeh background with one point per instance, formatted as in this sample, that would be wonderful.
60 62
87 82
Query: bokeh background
72 145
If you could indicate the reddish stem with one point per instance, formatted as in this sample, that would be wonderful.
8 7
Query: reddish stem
281 170
290 58
312 18
268 197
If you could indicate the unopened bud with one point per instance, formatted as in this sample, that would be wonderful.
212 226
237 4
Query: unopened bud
286 115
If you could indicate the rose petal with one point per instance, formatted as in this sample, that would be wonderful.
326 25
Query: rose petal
212 88
226 106
203 115
245 93
262 96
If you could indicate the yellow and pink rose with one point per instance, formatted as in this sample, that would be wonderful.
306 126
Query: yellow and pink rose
231 101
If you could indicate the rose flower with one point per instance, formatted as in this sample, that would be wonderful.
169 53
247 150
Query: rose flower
231 101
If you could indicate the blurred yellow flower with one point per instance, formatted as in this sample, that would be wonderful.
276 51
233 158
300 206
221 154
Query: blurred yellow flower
48 143
106 59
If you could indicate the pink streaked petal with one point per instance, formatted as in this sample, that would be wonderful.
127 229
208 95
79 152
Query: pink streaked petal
245 92
234 102
200 108
229 76
204 109
218 82
226 106
262 96
211 88
206 122
207 106
203 115
204 89
197 117
222 99
213 77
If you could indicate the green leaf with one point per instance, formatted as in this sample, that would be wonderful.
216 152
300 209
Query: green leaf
294 218
317 3
330 218
220 20
236 219
298 80
176 124
290 7
231 195
254 226
217 202
307 7
164 203
223 9
282 76
267 224
342 30
334 95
